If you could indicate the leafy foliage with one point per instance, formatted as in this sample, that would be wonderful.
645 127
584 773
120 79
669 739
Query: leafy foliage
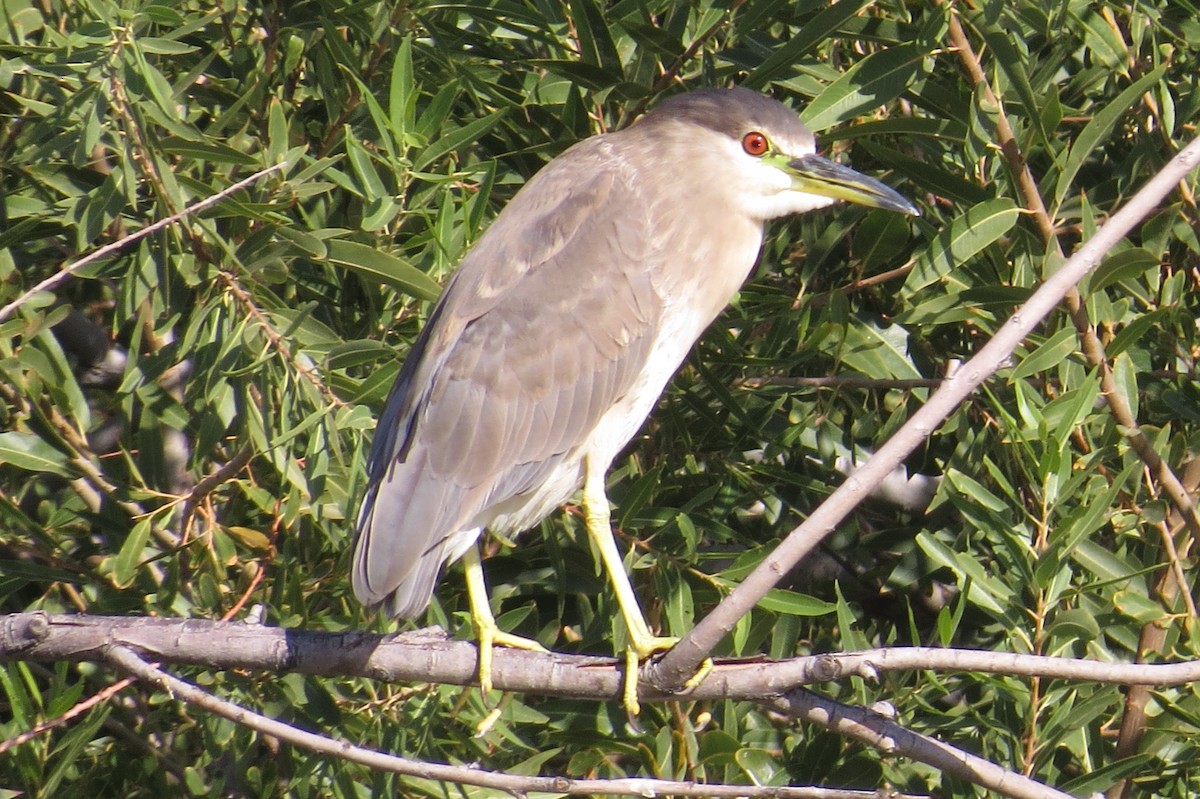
261 338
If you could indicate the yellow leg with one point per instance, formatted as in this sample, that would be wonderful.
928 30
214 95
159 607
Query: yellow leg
486 631
642 644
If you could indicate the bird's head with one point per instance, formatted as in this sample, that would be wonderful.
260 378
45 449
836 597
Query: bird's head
758 148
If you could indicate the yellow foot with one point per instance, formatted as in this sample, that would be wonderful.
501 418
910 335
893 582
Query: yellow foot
643 650
489 721
490 637
486 631
642 645
701 673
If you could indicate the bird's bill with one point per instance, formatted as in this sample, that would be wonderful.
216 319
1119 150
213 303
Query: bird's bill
816 175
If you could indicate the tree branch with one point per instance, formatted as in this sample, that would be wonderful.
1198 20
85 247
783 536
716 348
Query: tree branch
428 656
1089 341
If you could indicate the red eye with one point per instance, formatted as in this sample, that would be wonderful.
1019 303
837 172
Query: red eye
755 143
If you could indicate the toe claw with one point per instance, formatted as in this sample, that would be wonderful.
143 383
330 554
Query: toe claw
629 691
701 673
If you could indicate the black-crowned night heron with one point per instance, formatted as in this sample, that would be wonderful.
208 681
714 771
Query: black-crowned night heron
558 332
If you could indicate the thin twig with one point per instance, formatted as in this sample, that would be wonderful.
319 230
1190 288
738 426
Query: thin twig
838 381
211 482
59 277
128 661
78 708
276 340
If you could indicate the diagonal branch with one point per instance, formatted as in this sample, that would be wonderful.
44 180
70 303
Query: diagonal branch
1090 344
682 661
881 732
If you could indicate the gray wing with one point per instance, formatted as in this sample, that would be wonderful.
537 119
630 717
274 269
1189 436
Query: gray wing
547 322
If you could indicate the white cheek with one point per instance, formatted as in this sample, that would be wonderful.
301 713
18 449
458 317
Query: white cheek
783 203
767 194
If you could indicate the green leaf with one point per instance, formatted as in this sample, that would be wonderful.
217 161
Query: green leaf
1139 607
129 558
779 600
596 46
1013 62
1095 782
983 590
1135 331
1101 562
369 182
1088 142
585 75
451 141
1050 353
251 539
876 351
971 232
1104 42
879 237
277 132
1125 375
814 31
357 353
760 766
1118 267
875 81
29 452
207 150
401 93
907 127
970 487
155 46
1075 624
376 265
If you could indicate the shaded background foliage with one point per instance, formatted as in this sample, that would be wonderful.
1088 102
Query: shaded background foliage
256 342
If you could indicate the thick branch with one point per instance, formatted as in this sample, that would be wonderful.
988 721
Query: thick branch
427 656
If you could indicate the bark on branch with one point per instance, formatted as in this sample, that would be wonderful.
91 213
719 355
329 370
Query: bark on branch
428 656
